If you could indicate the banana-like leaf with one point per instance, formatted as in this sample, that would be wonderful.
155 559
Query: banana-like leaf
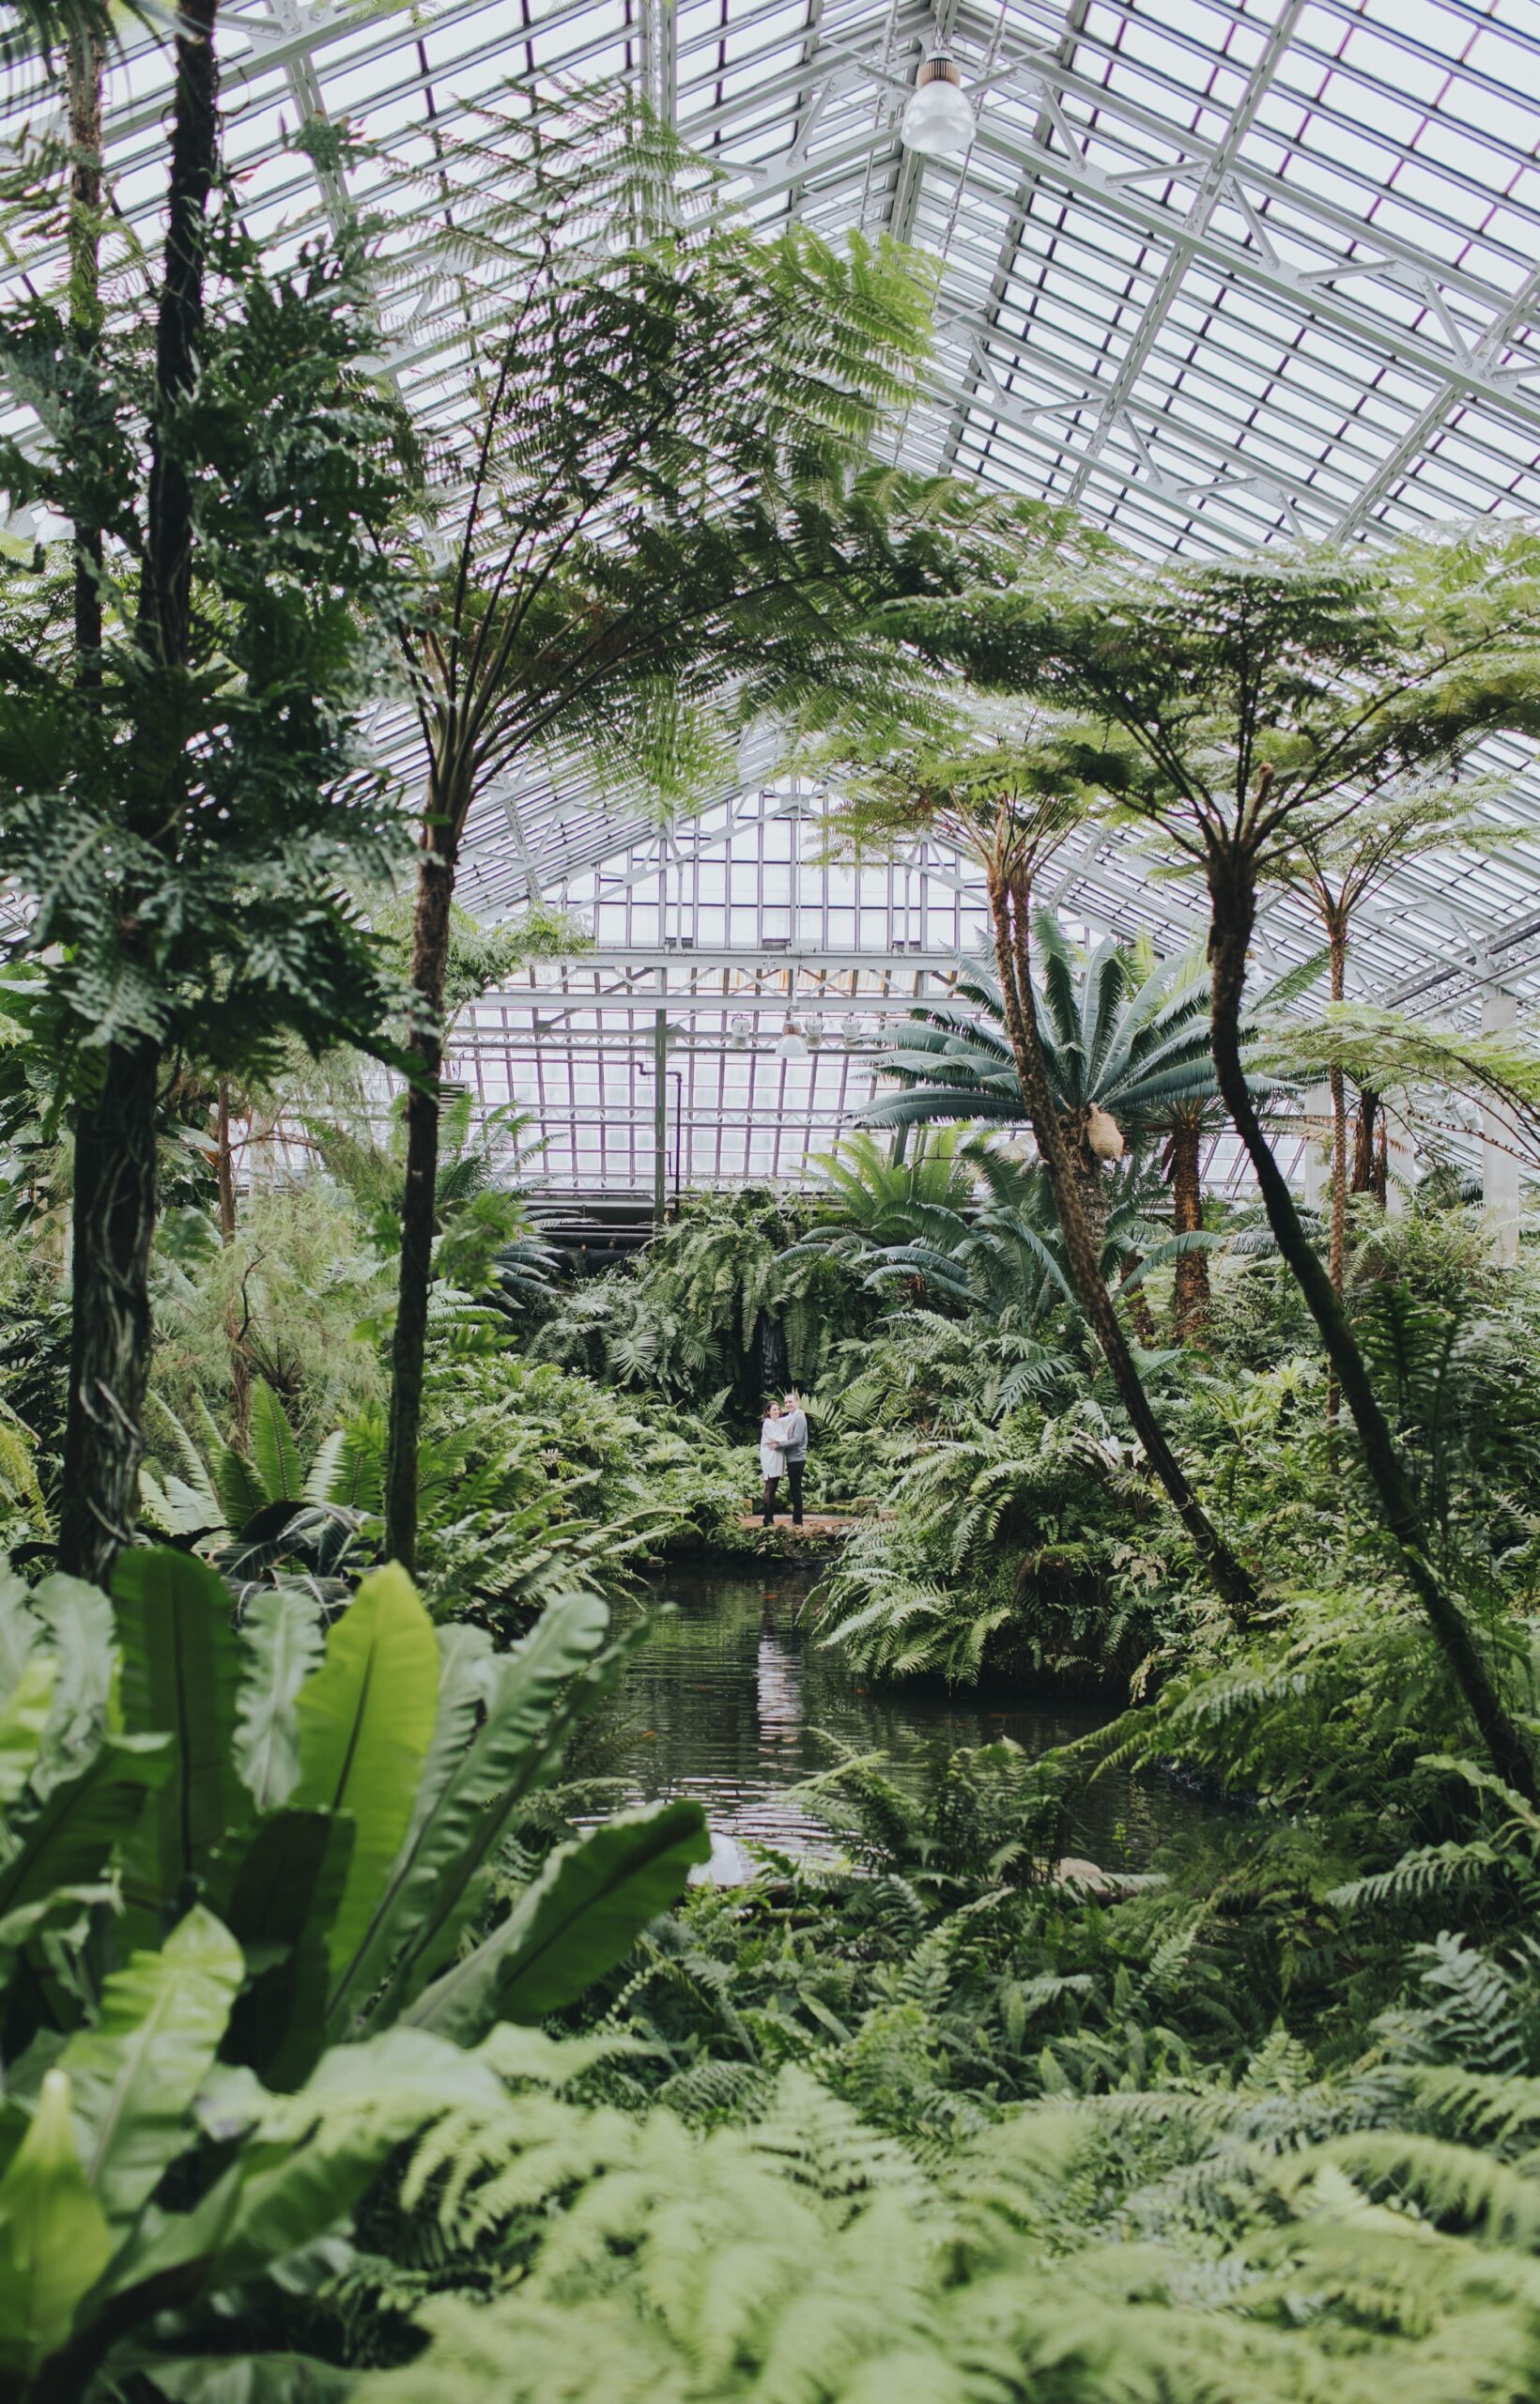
366 1719
283 1640
466 1796
23 1717
273 1448
133 2074
580 1918
279 1902
55 2240
182 1674
83 1820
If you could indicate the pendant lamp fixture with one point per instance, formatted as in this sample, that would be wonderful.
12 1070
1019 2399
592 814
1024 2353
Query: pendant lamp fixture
939 116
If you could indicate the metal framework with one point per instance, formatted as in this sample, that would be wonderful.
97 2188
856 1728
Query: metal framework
1219 273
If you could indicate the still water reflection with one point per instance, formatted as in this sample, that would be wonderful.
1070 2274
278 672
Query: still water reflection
732 1701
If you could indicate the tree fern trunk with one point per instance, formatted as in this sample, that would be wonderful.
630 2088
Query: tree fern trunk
1009 910
1234 907
1192 1295
408 1346
1339 1116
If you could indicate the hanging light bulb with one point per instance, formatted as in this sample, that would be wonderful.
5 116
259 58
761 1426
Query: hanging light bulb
939 116
794 1043
738 1032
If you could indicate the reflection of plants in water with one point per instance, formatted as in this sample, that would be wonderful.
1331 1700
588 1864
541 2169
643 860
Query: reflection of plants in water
741 1705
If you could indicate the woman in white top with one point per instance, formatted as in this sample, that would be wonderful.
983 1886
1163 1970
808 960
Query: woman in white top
772 1458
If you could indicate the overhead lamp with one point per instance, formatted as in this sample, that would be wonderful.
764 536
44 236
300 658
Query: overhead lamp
939 116
815 1033
794 1043
739 1031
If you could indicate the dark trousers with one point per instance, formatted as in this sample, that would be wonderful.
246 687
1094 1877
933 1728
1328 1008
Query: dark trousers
793 1479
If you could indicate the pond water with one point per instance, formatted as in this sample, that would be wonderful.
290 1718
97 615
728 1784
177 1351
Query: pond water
732 1699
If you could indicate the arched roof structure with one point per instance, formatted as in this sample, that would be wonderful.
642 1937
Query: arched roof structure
1220 273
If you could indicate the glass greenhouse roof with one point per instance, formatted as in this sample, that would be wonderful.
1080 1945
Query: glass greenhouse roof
1219 274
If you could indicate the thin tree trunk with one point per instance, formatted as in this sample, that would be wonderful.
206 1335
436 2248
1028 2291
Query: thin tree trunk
408 1347
1338 941
1009 910
1191 1296
85 65
235 1330
1365 1166
1233 908
115 1135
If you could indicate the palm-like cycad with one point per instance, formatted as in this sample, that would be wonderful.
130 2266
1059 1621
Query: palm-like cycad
870 1196
1126 1044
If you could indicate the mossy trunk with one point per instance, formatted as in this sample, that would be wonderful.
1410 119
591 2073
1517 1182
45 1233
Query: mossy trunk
1233 905
1010 914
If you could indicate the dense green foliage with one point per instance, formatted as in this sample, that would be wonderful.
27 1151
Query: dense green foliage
346 2047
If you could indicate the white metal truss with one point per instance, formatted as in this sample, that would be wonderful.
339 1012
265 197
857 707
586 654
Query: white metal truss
1220 273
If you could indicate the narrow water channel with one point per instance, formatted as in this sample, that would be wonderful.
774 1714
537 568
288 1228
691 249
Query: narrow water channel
734 1701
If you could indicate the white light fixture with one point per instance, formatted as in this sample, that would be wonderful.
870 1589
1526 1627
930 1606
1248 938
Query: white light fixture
939 117
739 1031
794 1043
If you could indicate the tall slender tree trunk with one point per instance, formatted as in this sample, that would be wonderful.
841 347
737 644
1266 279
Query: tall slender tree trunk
115 1137
1233 901
1010 914
408 1347
85 69
1337 946
235 1328
1192 1295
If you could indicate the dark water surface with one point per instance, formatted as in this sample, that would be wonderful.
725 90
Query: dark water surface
731 1698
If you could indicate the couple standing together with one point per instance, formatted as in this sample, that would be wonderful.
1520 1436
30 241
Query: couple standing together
783 1445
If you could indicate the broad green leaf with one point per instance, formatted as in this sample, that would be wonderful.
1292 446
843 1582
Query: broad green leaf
181 1670
54 2241
19 1630
366 1719
279 1901
78 1620
83 1821
134 2073
580 1918
273 1448
65 1909
24 1715
466 1793
282 1639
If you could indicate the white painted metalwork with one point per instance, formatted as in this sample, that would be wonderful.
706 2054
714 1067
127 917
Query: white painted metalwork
1220 273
